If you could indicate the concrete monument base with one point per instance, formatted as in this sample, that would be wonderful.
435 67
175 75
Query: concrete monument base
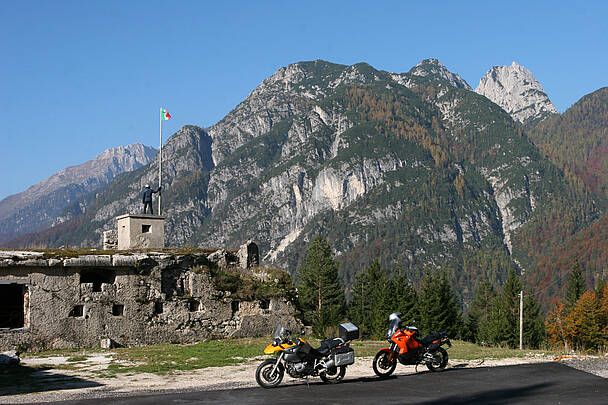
136 231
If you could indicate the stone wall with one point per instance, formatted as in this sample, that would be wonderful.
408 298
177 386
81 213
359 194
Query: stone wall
132 299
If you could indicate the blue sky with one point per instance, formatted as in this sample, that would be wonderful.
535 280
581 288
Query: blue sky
79 77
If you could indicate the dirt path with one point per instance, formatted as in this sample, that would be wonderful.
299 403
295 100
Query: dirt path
84 379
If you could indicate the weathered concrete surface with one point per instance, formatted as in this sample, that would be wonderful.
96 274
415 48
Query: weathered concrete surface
132 299
141 231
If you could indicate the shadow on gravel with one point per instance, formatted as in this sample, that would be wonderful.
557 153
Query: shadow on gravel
493 397
25 380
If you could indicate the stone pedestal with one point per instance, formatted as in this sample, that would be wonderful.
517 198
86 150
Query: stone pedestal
141 231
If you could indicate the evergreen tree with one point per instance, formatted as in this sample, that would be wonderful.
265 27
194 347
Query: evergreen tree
382 295
360 308
478 314
534 330
502 327
576 285
321 297
437 306
372 300
404 298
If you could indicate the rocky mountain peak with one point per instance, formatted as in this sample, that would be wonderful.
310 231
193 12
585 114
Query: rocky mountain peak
434 67
515 89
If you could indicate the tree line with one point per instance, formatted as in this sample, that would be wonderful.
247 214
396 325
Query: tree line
491 319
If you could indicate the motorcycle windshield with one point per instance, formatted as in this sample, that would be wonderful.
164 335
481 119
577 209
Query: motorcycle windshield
392 328
278 333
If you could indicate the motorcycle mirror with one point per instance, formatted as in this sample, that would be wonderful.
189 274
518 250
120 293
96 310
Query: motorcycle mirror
413 322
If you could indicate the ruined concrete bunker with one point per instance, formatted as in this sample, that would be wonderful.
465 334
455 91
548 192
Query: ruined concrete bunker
129 298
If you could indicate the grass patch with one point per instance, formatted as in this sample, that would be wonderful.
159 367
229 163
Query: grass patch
75 359
165 358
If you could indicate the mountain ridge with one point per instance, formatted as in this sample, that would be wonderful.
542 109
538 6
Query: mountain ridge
416 169
40 205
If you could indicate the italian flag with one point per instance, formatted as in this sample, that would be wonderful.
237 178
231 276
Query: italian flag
164 114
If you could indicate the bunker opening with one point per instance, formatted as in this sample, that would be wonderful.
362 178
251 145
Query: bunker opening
97 278
118 310
194 306
235 306
12 305
77 311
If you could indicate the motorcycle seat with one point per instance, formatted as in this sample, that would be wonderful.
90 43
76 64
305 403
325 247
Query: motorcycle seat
327 345
430 338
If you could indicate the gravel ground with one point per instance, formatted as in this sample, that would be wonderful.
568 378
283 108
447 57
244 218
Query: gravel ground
597 366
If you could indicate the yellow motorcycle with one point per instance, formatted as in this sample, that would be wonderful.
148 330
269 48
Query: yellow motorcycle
301 360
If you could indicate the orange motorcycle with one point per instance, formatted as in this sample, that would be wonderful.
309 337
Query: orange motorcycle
407 349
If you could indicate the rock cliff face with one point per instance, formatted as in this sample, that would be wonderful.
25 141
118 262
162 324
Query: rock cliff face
414 169
515 89
41 205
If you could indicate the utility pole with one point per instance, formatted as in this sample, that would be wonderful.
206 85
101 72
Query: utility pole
521 320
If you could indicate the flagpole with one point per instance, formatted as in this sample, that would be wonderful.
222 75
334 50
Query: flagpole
160 161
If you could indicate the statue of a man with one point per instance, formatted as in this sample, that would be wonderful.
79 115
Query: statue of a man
147 197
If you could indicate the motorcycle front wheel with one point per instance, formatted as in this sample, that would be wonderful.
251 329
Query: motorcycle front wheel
333 375
382 365
264 375
440 360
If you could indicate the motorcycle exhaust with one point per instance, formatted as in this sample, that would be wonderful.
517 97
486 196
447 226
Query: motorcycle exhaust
326 365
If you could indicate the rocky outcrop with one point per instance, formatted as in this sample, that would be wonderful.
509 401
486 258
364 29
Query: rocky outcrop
515 89
433 68
41 205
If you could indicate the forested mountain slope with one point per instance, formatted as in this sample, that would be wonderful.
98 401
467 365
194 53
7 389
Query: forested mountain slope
577 140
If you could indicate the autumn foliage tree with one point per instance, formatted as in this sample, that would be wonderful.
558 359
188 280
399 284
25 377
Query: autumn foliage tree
583 326
585 322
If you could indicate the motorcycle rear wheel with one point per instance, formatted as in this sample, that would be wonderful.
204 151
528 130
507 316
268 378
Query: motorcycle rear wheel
264 376
382 366
440 360
333 375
